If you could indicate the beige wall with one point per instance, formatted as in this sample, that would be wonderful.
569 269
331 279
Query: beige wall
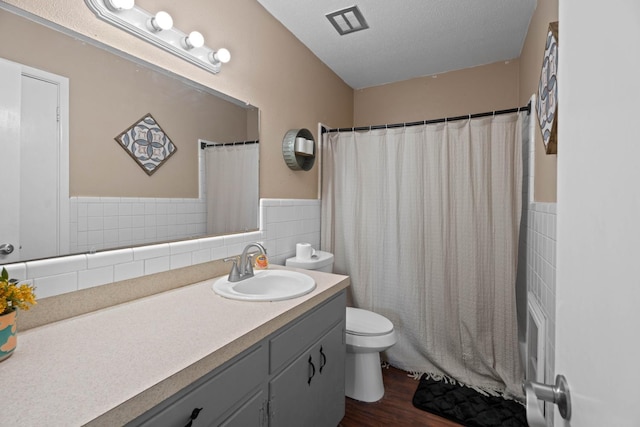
472 90
269 68
530 64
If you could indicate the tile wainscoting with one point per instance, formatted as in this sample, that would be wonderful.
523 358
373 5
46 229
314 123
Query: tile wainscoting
541 277
283 223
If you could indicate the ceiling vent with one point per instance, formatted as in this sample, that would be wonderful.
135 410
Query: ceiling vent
348 20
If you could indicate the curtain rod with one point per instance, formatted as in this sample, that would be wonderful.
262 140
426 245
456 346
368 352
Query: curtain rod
526 108
204 145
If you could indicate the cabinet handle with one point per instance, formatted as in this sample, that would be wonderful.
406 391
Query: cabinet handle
194 415
313 370
323 360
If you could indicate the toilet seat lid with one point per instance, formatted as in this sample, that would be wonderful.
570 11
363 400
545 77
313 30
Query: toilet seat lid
365 322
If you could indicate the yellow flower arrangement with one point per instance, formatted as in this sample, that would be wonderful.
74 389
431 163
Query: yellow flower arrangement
13 295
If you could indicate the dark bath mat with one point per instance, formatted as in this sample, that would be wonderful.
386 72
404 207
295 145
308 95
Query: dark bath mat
466 406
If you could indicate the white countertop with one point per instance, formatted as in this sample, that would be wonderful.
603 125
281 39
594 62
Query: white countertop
109 366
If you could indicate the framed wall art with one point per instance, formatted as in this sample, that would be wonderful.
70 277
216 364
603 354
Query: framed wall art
147 144
547 107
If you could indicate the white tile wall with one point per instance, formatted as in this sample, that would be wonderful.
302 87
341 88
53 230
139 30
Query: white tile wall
283 223
286 222
541 277
106 222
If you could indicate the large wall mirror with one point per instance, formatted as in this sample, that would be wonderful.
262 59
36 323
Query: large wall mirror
72 169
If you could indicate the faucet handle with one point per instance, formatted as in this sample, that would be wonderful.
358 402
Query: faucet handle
248 267
234 274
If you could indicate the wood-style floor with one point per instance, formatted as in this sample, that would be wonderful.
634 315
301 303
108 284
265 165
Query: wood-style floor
394 409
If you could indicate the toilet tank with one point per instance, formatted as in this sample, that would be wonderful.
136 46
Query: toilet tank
321 261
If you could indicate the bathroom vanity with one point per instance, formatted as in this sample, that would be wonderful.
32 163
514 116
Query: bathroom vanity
295 377
155 360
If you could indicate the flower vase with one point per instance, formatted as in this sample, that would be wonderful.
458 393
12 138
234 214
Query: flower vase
8 334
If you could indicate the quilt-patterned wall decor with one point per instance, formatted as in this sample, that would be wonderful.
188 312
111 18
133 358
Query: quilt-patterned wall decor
548 92
147 144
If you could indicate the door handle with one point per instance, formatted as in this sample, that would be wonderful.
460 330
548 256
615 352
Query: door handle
194 415
6 248
313 370
323 360
558 394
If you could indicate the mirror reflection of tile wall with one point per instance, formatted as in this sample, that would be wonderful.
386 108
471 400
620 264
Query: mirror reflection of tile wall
98 223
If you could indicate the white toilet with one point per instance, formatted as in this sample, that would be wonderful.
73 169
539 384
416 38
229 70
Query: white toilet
367 335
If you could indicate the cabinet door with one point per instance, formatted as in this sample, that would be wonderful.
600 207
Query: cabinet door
329 400
216 394
288 343
310 391
253 413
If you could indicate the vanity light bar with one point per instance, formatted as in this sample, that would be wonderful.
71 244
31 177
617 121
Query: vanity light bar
158 30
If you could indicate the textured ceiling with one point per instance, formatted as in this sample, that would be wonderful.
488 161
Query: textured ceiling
408 38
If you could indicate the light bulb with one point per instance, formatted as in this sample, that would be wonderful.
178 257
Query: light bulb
162 21
117 5
220 56
194 39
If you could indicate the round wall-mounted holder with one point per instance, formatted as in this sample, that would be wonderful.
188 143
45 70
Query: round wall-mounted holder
299 149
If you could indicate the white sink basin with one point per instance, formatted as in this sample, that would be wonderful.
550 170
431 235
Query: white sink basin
266 285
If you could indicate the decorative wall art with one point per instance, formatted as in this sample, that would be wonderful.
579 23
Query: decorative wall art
548 92
147 144
299 149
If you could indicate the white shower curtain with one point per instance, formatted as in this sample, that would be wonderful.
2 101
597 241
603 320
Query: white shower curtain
425 220
231 188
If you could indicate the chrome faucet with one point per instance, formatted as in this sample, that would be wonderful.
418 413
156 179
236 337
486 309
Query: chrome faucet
244 269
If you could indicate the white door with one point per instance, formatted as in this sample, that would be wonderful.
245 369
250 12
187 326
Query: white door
34 147
598 246
10 161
